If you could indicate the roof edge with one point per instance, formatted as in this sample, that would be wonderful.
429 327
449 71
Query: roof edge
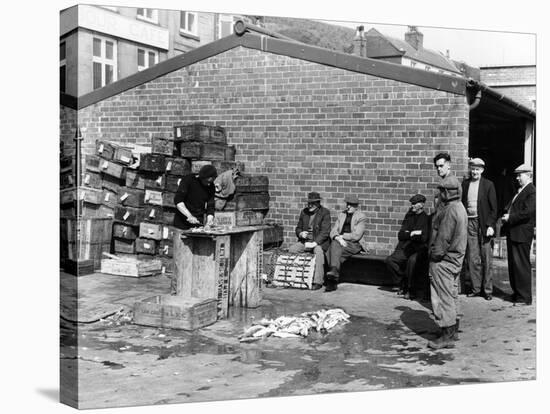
516 106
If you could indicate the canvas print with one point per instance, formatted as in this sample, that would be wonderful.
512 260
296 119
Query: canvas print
261 206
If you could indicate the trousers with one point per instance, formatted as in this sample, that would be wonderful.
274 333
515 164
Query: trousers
519 268
319 272
444 292
479 259
337 254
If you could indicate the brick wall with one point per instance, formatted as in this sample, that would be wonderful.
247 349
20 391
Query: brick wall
515 82
307 126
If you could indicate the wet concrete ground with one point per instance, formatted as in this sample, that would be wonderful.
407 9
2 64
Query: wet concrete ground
382 347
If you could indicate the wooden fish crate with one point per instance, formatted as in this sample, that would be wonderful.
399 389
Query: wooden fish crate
239 218
153 214
248 201
106 211
167 265
168 216
124 246
128 215
112 183
172 183
135 180
123 231
176 312
130 266
251 184
153 197
166 248
91 163
90 195
113 169
168 232
131 197
294 270
217 152
87 238
178 166
153 181
109 198
150 231
91 179
200 132
196 165
111 151
66 179
152 162
188 149
146 246
163 146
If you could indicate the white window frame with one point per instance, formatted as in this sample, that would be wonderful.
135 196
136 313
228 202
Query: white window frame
154 15
63 62
146 51
186 30
225 18
103 60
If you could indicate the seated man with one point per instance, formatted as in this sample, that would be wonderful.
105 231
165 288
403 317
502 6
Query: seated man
413 242
313 235
346 239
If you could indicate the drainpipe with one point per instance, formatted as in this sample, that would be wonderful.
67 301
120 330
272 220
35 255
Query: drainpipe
474 86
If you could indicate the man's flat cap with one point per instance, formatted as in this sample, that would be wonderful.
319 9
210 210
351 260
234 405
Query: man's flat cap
450 183
523 168
417 198
351 199
476 162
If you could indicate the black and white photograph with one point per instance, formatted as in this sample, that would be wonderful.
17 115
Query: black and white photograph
251 203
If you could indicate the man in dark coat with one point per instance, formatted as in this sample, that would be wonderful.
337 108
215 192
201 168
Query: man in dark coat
313 231
519 224
446 252
480 200
413 239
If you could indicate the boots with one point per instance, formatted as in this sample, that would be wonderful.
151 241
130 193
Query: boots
445 340
456 330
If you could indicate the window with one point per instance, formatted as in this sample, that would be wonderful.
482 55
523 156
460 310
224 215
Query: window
151 15
62 67
188 23
413 64
104 62
427 67
147 58
225 25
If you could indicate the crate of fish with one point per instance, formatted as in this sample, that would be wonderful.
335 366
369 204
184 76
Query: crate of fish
294 270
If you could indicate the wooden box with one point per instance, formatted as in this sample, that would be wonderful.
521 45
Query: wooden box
168 216
135 180
123 155
172 183
105 149
113 169
153 197
214 152
130 266
168 232
123 231
248 201
178 166
131 197
200 132
273 236
294 270
251 184
239 218
167 265
87 238
150 231
197 165
66 179
152 163
128 215
153 214
124 246
166 248
163 146
91 163
91 179
89 210
153 181
111 151
188 149
223 166
90 195
109 198
146 246
166 311
106 211
112 183
67 196
65 162
168 199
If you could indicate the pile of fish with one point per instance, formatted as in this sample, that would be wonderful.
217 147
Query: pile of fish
295 327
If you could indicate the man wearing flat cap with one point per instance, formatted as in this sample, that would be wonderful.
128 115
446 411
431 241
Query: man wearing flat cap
518 225
312 231
347 238
446 253
195 198
413 239
480 200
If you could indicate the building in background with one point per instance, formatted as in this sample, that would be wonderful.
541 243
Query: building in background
516 82
100 45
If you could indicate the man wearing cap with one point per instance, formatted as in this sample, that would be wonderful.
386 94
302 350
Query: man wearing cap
519 225
195 198
480 200
413 239
446 252
347 239
313 230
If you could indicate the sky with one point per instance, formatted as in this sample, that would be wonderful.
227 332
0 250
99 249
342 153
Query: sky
475 47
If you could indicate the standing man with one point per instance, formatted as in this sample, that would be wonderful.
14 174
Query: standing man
519 224
447 249
313 231
480 200
413 239
346 239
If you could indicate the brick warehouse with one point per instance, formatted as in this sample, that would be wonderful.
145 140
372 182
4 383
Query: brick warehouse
310 119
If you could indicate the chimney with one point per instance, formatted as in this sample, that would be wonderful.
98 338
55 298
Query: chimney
414 37
360 42
448 54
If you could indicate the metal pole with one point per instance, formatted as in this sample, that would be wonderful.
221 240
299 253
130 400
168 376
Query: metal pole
78 169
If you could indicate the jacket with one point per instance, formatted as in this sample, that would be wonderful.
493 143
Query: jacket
320 226
486 203
358 227
521 222
411 222
449 234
